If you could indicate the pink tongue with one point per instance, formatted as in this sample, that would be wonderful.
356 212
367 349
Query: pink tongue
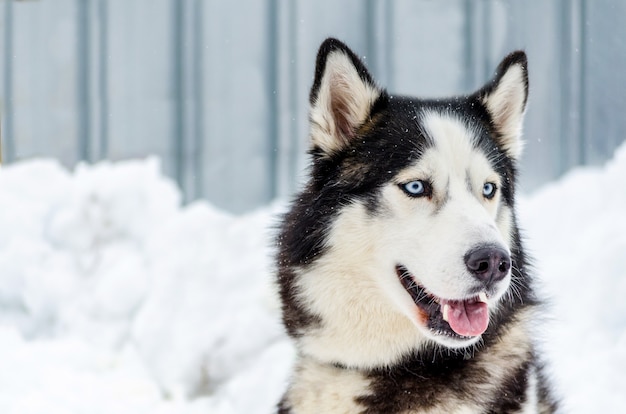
467 318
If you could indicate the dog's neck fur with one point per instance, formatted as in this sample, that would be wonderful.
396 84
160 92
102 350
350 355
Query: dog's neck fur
326 387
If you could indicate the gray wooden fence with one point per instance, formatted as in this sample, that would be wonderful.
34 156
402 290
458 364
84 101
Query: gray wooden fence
218 89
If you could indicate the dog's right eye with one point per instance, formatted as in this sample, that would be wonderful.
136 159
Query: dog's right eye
417 188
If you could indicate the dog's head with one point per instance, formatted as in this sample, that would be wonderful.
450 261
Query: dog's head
405 236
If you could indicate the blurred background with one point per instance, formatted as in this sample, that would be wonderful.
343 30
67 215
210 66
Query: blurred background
219 90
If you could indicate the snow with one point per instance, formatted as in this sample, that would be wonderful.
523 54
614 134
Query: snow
577 233
116 298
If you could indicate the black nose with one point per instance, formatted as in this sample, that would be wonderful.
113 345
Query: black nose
488 264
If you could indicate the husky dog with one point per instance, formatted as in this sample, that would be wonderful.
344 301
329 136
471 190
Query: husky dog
401 271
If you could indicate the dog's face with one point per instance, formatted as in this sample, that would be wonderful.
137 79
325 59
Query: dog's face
440 237
412 243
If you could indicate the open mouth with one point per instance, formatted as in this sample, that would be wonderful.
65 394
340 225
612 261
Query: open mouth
459 319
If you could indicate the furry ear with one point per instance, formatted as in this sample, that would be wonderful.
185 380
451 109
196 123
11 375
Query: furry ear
342 96
505 99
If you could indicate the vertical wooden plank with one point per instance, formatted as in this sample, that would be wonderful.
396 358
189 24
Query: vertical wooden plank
197 86
7 145
178 133
236 113
571 54
92 79
141 94
534 26
428 52
604 78
44 80
272 97
583 82
188 77
379 40
478 43
83 95
102 78
285 90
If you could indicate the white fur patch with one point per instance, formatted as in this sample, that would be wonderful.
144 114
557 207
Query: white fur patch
506 104
321 388
343 103
344 288
532 400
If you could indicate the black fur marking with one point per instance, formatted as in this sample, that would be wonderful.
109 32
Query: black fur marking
512 395
421 384
283 408
443 199
295 316
468 181
547 403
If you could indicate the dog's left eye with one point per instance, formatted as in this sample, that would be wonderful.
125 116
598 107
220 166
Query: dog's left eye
417 188
489 190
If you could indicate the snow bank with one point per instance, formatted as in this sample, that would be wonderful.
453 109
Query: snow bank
104 264
576 229
114 298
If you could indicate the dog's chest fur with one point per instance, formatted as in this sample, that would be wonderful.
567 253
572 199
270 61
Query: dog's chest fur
502 380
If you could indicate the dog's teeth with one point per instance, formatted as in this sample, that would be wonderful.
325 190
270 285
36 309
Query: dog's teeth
446 309
482 296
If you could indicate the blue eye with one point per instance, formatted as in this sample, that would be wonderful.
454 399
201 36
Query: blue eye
417 188
489 190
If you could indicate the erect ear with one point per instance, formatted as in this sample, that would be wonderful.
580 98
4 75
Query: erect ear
342 97
505 99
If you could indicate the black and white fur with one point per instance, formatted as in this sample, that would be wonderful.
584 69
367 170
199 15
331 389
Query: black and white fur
402 194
